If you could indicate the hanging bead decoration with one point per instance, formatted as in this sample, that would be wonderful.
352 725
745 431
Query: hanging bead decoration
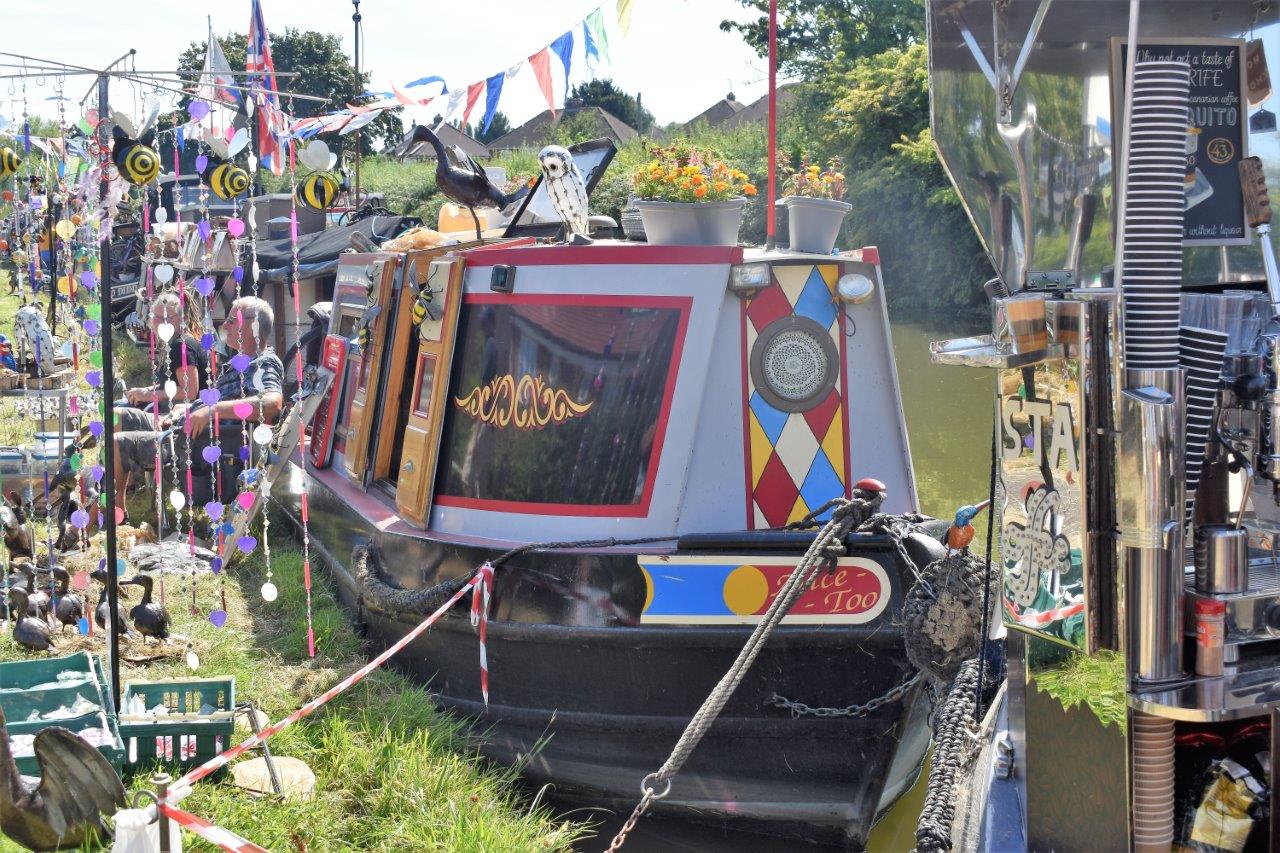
295 286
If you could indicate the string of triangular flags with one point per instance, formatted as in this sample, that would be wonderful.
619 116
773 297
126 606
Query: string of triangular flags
462 102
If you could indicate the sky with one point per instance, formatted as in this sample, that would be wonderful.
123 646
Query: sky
674 55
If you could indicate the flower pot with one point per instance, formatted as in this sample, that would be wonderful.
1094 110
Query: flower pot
678 223
814 223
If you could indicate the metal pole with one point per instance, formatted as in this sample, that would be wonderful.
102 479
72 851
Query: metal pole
773 124
108 390
49 220
355 18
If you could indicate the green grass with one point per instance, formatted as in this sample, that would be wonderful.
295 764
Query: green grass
392 771
1097 680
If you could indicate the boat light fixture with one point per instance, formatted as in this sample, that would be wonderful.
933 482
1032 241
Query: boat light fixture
855 288
746 279
502 279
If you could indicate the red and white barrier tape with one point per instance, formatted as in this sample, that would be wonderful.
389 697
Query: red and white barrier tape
481 595
182 788
1039 620
224 838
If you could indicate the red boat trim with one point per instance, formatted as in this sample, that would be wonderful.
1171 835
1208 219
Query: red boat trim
637 510
744 304
607 254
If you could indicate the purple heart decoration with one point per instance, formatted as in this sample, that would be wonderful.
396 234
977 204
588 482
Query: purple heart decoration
245 499
94 378
210 396
198 109
79 519
92 327
246 544
240 362
206 341
213 509
96 429
218 618
204 229
237 273
211 454
102 563
204 285
202 162
89 279
96 473
216 564
244 454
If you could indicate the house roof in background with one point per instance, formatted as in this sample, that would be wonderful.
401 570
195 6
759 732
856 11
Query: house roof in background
450 136
536 131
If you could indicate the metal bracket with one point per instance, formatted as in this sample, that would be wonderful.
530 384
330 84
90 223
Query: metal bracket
1051 279
1002 77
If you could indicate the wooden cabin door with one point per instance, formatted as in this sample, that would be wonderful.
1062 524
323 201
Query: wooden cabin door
364 408
435 317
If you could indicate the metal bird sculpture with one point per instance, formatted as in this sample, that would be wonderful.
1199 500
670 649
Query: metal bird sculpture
17 536
39 604
77 786
102 613
567 191
961 531
149 618
463 182
29 632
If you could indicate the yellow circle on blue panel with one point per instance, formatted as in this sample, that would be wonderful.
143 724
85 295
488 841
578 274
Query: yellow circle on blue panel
648 589
745 590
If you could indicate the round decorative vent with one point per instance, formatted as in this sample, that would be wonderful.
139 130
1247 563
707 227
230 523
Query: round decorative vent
794 363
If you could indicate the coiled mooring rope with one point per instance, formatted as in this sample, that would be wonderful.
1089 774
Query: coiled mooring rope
954 746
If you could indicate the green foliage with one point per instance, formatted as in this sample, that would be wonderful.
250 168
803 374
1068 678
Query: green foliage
1097 680
814 35
500 125
604 94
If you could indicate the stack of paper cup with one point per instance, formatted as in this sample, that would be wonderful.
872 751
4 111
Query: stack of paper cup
1152 782
1201 353
1154 210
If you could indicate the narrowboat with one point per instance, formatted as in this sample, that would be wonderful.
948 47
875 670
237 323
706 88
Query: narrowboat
494 394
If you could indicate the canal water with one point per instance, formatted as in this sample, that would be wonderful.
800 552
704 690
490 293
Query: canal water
948 412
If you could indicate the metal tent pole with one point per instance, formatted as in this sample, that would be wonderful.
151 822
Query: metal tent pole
773 124
355 18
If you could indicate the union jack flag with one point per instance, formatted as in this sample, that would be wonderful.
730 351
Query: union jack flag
271 121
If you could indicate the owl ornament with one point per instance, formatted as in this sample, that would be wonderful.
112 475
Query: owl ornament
567 191
35 343
318 189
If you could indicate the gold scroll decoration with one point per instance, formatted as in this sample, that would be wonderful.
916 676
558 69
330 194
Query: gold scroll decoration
529 403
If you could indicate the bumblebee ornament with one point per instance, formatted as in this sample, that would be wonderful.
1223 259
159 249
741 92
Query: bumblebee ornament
226 179
9 162
137 162
317 190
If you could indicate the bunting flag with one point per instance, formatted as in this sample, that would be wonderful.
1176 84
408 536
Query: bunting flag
493 91
422 81
271 121
595 38
625 8
408 100
358 122
455 105
540 62
216 77
473 95
563 47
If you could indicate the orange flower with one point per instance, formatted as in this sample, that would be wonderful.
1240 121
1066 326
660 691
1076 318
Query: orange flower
686 185
720 186
700 192
749 189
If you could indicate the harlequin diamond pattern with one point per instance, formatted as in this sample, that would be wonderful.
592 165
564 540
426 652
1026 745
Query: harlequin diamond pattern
796 458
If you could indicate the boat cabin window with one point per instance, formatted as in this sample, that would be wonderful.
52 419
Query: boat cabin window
422 395
405 400
348 316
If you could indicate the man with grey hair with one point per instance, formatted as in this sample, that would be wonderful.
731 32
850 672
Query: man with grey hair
253 378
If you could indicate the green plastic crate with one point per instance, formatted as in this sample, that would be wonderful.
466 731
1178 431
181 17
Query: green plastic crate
186 737
32 685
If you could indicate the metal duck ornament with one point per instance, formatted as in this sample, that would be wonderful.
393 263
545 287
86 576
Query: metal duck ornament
461 179
77 786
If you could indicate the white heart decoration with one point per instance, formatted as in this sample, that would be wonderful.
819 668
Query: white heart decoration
333 161
238 142
177 500
252 218
163 273
170 388
165 332
193 661
262 434
161 216
253 160
269 591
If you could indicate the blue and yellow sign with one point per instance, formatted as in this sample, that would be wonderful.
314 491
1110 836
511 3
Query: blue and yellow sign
715 590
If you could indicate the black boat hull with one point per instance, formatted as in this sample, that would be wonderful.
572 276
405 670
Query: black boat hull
592 709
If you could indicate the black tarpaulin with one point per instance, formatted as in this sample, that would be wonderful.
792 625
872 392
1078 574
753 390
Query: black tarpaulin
318 253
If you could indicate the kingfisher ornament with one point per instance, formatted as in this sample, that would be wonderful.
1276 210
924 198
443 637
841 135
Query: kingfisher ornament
9 162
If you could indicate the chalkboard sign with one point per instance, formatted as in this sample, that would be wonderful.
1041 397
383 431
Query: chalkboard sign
1217 139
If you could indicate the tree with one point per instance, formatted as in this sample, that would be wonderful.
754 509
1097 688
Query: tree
323 72
499 126
814 34
603 94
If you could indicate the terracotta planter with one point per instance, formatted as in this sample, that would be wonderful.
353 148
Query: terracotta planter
814 223
677 223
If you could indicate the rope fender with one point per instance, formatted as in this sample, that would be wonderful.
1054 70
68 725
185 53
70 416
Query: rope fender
379 596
